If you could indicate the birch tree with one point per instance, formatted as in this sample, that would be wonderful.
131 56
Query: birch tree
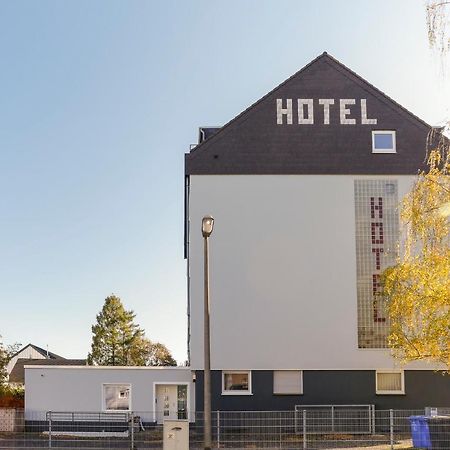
418 287
438 17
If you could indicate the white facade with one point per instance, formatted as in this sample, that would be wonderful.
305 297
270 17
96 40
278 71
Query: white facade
283 272
81 389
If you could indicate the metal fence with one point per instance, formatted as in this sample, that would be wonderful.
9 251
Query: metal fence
354 419
306 427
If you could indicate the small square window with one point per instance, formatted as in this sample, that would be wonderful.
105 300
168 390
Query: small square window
390 382
287 382
383 141
237 382
116 397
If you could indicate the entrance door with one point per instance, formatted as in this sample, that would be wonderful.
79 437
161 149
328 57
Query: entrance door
166 402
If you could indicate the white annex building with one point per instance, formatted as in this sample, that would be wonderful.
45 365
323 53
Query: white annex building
304 187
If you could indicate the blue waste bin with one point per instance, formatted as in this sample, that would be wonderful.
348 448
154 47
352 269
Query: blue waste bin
420 432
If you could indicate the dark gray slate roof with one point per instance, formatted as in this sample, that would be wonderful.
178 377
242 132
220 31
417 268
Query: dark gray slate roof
17 375
253 142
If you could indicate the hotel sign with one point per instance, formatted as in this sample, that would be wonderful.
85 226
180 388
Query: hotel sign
308 111
376 234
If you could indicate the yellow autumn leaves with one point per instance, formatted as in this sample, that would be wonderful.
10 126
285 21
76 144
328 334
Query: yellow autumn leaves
417 289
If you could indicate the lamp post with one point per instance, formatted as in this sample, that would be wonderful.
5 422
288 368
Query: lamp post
207 228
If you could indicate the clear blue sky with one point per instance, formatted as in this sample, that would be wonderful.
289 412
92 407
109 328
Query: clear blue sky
100 100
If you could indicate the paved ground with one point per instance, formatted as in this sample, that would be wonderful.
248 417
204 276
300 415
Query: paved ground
145 441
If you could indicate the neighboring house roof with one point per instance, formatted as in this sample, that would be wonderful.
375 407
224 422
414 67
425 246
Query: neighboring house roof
43 352
17 375
255 142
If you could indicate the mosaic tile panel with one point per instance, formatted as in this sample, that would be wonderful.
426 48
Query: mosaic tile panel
377 228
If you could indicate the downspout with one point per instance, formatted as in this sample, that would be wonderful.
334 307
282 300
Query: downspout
186 256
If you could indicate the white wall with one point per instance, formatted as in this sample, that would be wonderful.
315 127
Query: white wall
283 272
79 388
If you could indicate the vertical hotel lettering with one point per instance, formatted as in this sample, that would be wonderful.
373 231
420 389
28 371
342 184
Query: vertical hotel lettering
376 227
377 239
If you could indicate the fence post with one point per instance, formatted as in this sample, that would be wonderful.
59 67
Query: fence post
279 427
218 428
391 427
304 429
131 418
49 419
373 418
332 417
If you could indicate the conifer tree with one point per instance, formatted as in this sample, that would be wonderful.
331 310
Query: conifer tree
116 339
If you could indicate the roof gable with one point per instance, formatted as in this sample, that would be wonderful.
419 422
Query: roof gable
40 350
319 121
46 353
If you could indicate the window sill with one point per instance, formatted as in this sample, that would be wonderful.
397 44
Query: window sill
378 152
390 393
290 393
236 393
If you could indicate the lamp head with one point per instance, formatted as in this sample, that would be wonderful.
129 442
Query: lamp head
207 226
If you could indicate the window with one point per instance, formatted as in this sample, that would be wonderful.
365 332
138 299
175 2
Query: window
288 382
116 397
383 142
236 382
390 382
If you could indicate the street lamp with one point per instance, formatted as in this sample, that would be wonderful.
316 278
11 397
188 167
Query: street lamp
207 228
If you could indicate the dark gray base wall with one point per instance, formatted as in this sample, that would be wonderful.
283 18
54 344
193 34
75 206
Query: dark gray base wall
325 387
